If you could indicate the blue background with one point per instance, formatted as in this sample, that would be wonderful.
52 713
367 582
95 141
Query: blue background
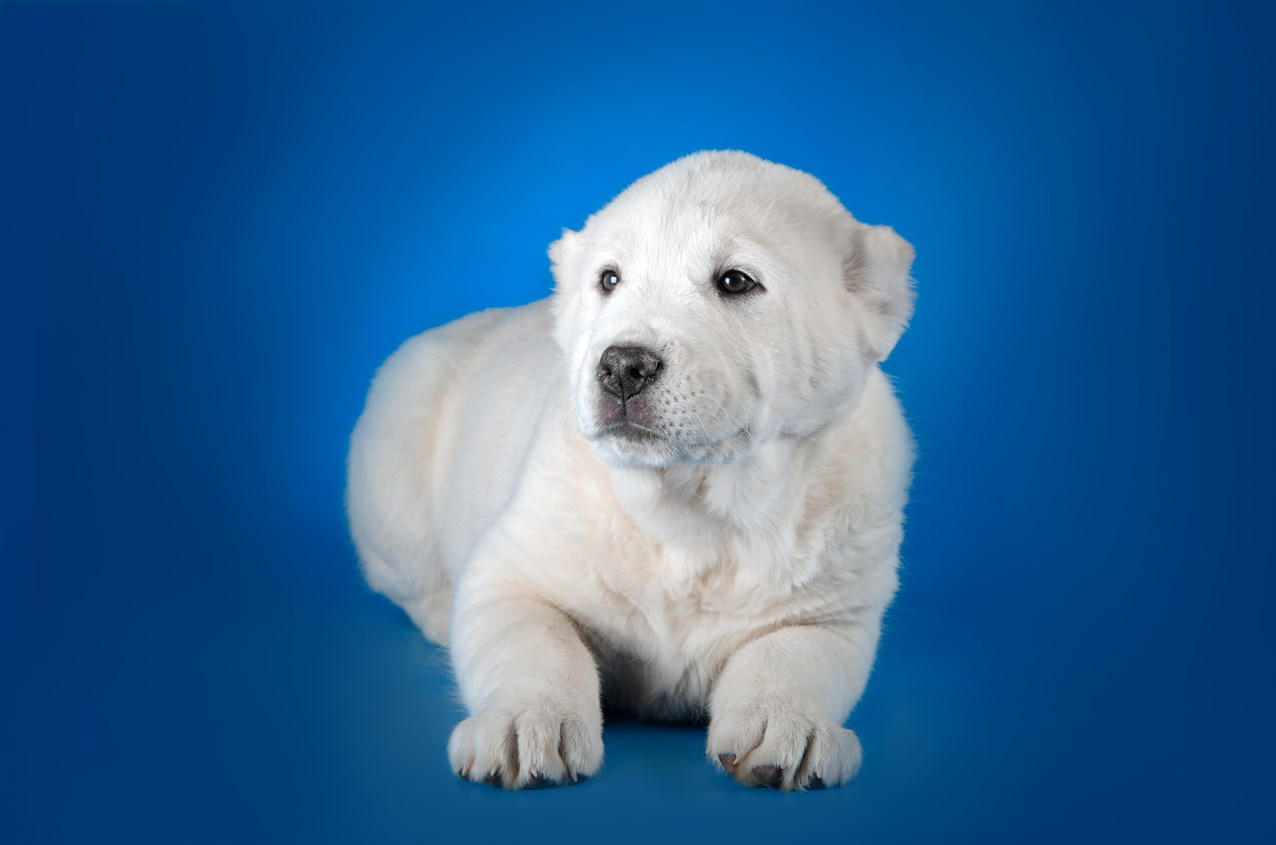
217 221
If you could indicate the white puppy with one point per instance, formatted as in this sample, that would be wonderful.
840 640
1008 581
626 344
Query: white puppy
676 486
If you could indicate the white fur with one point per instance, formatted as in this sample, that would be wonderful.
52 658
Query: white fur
734 564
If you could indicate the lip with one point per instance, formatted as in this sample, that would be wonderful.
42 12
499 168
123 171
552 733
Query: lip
630 430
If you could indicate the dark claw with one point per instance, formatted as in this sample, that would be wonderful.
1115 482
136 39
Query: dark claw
494 779
769 776
728 762
816 782
539 782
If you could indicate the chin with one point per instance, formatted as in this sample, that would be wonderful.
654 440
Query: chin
638 448
629 452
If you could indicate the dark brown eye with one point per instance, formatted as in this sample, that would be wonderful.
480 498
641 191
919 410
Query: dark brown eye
736 282
608 280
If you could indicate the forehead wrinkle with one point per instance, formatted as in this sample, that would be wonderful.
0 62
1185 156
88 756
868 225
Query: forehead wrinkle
612 245
685 237
665 241
726 254
748 227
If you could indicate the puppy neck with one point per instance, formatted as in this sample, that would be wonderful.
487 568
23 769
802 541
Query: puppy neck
698 505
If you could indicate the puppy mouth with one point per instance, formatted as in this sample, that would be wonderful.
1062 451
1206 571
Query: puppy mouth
627 429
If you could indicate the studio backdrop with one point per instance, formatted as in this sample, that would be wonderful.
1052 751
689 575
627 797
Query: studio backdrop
217 219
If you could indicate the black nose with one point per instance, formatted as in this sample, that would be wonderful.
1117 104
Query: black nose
624 371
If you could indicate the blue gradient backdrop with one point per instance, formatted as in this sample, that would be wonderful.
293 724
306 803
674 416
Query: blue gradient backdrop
217 221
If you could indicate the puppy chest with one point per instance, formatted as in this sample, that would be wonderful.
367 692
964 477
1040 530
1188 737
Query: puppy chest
658 677
663 623
661 662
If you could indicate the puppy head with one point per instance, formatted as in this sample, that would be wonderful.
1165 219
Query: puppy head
718 303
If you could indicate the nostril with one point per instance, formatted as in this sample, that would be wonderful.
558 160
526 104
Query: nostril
625 371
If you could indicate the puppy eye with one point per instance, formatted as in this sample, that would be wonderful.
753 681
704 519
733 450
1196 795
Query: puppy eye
608 279
736 282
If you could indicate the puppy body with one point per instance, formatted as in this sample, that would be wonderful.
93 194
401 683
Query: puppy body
730 555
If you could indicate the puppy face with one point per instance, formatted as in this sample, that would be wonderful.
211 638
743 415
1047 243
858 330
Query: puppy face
718 303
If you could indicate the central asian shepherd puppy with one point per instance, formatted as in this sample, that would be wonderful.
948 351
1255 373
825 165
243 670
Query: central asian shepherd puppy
675 487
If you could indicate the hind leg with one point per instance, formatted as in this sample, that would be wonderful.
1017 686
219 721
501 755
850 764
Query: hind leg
388 492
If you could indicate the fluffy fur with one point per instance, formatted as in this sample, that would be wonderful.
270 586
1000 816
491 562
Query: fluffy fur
730 558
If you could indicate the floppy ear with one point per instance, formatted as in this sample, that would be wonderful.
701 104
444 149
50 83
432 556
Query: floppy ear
564 306
561 252
875 268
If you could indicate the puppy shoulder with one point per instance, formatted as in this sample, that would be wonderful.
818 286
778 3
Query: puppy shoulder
871 458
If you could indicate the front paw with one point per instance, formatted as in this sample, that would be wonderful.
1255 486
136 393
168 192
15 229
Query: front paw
527 747
782 748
